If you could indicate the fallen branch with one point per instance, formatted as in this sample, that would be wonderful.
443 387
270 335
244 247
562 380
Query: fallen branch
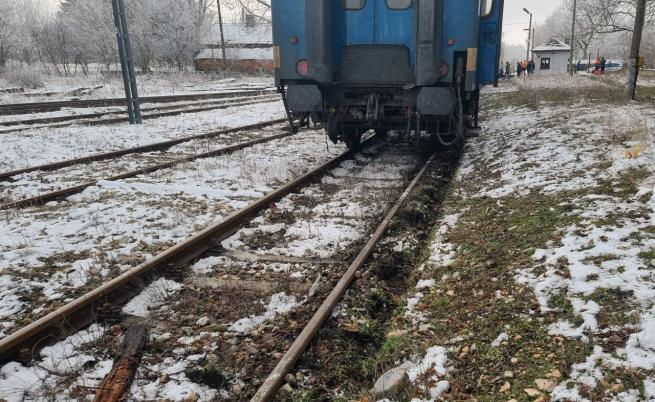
119 380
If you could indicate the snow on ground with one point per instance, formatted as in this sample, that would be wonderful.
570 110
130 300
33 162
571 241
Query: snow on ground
280 304
302 225
48 253
337 221
433 363
441 256
554 148
39 146
65 357
114 112
560 149
153 296
40 182
153 84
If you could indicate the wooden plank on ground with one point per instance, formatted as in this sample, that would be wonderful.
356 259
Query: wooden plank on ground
118 382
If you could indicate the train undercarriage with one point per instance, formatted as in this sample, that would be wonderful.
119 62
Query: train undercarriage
446 114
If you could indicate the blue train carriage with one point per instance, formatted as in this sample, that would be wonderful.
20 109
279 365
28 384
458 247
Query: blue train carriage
415 65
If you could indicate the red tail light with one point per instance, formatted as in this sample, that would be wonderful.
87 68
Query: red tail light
443 69
302 67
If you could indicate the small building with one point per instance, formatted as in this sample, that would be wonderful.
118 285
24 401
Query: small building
552 57
248 48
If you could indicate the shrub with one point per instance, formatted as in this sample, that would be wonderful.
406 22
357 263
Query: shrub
25 78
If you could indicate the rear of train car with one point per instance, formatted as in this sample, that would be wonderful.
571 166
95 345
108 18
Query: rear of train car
414 65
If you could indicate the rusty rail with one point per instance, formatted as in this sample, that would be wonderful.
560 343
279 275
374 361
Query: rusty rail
56 195
49 122
141 149
276 378
38 107
81 312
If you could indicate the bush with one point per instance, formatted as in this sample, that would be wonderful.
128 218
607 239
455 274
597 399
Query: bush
25 78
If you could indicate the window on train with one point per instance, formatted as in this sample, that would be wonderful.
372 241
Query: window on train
399 4
486 6
353 4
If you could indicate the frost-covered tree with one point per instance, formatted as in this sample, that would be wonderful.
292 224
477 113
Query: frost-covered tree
8 26
167 31
259 8
32 16
91 27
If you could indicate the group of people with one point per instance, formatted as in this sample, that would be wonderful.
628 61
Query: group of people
525 67
599 66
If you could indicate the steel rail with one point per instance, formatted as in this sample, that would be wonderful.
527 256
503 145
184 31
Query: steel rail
96 115
140 149
145 117
273 382
56 195
80 312
37 107
179 112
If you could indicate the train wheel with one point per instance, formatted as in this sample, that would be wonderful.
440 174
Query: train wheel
455 138
352 138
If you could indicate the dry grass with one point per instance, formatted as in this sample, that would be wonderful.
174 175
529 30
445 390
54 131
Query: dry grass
598 93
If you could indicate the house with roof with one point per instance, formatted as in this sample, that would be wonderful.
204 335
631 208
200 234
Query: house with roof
552 57
248 48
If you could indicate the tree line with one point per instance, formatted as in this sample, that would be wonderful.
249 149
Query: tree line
81 32
603 27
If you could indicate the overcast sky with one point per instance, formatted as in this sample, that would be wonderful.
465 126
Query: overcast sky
516 20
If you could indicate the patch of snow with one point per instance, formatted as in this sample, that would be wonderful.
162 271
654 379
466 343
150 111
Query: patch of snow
640 348
44 145
412 302
153 296
425 283
500 339
175 387
280 303
434 361
442 253
649 389
10 303
19 383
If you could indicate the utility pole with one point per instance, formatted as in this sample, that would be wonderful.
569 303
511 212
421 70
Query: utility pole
220 25
633 72
575 15
527 53
127 62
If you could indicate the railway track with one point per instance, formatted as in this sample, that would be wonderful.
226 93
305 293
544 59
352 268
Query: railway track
42 107
99 118
159 146
66 192
78 314
94 304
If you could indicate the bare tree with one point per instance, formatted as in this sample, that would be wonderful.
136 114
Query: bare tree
259 8
619 15
91 27
633 70
8 26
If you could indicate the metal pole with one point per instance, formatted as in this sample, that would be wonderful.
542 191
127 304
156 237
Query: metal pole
527 57
220 24
127 62
121 53
575 9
